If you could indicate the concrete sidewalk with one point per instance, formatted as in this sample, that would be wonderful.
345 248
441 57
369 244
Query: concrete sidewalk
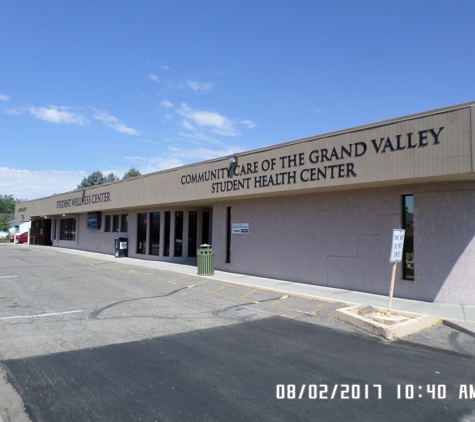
460 317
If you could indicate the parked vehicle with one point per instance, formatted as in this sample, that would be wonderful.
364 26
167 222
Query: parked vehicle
20 238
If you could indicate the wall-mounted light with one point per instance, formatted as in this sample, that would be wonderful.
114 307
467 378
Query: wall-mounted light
233 159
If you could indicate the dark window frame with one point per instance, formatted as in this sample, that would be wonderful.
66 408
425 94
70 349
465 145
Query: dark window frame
205 228
179 223
107 223
228 234
154 233
166 246
116 223
192 233
142 223
67 229
408 258
124 223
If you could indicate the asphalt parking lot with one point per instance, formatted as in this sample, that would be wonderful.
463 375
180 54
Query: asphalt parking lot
61 315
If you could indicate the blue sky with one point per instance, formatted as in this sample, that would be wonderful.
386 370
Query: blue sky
106 85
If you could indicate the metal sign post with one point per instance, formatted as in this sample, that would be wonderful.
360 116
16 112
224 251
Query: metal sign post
394 258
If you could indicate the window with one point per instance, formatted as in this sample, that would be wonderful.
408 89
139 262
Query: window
408 225
115 223
178 233
124 223
192 233
68 229
166 251
37 228
228 235
154 233
142 233
205 228
107 225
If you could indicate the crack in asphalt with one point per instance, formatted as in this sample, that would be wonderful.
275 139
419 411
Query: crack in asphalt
94 314
218 312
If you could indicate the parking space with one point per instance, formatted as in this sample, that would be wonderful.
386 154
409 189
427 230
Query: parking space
52 302
61 314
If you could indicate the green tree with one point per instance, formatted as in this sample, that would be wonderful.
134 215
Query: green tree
3 225
111 177
97 178
133 172
7 204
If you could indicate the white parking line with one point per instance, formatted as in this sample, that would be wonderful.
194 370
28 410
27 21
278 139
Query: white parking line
9 276
41 315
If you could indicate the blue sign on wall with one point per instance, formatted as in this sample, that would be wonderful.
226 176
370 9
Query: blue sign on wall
94 220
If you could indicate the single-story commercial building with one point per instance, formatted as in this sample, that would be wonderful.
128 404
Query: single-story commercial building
319 210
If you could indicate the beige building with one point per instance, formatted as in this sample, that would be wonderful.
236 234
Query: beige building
319 210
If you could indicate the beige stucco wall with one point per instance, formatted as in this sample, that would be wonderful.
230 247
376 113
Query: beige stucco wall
321 210
446 242
432 146
343 240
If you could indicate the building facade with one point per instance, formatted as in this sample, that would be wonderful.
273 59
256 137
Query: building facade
320 210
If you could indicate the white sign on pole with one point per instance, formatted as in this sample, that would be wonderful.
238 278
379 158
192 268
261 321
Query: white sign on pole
397 245
241 228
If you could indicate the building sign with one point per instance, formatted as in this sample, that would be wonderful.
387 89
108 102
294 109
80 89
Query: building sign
95 198
397 245
241 228
318 165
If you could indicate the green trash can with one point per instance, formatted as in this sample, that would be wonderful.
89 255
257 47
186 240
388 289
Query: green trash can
205 258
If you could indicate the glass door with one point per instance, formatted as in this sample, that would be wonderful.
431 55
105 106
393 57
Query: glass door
142 233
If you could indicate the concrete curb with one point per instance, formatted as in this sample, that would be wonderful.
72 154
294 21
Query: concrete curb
320 293
410 325
464 327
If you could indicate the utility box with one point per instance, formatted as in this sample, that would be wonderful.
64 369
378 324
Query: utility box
121 247
205 258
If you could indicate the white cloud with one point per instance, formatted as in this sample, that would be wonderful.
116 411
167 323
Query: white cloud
13 112
58 115
27 184
249 123
207 119
196 86
202 154
166 103
153 164
196 137
113 122
4 97
176 157
187 125
153 77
